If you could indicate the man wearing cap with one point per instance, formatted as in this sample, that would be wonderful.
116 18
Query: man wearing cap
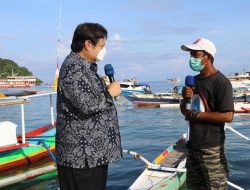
206 162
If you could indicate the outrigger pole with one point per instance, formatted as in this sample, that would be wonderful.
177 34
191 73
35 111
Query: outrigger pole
227 126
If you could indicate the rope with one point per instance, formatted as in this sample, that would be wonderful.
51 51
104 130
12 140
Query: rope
235 186
236 132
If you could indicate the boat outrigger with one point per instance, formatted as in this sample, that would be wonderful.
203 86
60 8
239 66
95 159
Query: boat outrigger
166 172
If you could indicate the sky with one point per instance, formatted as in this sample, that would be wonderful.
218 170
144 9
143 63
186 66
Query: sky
144 36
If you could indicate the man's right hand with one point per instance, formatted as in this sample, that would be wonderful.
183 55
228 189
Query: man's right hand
114 89
187 92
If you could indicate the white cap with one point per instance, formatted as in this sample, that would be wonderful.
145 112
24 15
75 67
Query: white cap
201 44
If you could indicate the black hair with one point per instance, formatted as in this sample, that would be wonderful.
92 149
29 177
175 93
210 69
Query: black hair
87 31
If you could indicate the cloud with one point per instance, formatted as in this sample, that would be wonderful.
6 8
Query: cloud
116 37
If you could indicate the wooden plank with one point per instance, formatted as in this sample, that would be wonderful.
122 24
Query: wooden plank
175 156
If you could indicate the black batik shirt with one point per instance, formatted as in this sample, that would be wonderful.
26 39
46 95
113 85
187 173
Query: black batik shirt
87 123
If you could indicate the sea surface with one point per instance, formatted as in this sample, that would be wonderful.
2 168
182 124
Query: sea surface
147 131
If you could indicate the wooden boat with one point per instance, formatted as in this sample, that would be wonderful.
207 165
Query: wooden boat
166 172
240 80
28 148
154 100
241 96
129 87
18 93
172 97
33 173
32 150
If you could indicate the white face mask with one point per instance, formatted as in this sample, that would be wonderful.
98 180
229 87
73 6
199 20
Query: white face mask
101 54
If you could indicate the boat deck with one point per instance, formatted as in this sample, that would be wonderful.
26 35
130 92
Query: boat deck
174 157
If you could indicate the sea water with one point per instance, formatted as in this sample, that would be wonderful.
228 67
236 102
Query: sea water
147 131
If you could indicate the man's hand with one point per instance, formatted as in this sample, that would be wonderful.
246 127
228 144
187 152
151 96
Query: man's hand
114 89
187 92
191 115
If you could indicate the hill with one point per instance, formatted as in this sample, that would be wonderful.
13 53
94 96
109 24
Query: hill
8 66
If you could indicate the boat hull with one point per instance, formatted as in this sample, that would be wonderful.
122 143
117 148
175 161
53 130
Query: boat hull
33 152
173 157
130 92
28 174
139 101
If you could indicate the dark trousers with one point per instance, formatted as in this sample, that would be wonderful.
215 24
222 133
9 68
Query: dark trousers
82 179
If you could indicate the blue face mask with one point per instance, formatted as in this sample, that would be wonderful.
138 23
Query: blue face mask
195 64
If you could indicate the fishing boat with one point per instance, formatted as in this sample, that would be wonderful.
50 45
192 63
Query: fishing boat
17 93
172 97
27 148
129 87
21 177
240 80
15 153
241 96
154 100
174 80
166 172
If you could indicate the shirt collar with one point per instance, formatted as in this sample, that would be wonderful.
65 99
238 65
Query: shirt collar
91 66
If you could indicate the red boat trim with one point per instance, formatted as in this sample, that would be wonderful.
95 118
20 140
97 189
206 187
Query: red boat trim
36 132
12 147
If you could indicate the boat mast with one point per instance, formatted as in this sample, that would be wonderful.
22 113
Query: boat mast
59 32
58 47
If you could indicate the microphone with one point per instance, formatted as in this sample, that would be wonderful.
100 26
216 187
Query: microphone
189 81
109 71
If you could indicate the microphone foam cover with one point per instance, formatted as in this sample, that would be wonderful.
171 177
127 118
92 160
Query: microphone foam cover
109 71
189 81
